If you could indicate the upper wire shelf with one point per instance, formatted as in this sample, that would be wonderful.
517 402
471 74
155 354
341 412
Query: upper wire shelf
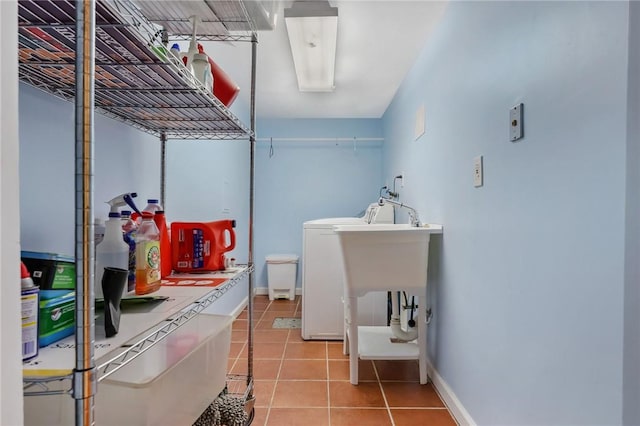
136 80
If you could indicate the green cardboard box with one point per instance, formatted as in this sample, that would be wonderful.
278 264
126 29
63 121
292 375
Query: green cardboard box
56 318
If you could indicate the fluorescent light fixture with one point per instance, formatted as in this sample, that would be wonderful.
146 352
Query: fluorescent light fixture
312 26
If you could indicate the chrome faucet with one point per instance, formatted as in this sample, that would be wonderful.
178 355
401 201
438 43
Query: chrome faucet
413 214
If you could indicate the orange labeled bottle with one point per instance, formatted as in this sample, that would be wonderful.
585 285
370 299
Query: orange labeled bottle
147 255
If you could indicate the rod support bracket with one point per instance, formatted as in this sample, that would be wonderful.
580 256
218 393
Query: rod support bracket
84 380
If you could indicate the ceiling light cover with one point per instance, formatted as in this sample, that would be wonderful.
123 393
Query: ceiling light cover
312 27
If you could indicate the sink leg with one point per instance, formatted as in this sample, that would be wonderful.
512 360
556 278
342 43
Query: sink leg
422 339
353 340
345 335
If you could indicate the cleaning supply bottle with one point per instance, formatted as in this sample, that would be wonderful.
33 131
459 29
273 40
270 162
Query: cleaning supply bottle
187 57
129 229
112 251
122 200
98 230
30 313
202 69
147 255
153 205
175 51
165 244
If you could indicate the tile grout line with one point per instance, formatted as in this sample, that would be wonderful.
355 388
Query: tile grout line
384 396
326 352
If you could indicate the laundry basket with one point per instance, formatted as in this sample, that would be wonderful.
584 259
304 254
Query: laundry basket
281 276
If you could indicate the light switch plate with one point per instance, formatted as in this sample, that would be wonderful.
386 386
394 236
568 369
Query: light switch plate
516 122
477 171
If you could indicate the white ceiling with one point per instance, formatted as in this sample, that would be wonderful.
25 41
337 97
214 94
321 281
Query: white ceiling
378 42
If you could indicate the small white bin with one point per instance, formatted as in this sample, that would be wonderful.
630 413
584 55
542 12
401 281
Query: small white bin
281 275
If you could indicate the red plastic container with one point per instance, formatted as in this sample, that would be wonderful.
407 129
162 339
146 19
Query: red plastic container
200 246
223 87
165 244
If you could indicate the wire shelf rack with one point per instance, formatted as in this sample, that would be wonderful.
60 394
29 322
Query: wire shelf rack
33 386
137 80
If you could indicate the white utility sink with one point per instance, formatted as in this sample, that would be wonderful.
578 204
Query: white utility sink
384 257
380 257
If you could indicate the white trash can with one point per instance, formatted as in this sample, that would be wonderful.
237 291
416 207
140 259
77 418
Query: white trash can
281 276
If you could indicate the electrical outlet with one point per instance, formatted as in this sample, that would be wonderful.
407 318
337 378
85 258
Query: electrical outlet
477 171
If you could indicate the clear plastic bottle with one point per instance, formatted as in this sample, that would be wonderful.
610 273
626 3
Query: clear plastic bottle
129 229
147 255
153 205
112 251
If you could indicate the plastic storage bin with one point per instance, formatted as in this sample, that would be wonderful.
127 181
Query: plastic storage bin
173 382
281 275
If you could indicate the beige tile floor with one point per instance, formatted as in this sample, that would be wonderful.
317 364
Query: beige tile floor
306 383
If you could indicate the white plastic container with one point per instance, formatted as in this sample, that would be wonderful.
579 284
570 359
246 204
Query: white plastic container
174 381
170 384
281 276
112 251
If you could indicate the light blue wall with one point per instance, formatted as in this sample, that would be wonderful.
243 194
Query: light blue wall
207 181
125 160
203 177
310 179
631 408
527 280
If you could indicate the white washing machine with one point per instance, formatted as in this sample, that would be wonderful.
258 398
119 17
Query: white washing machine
322 280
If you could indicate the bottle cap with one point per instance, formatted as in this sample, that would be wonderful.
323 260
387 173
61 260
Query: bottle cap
175 46
114 214
125 213
152 201
24 272
159 211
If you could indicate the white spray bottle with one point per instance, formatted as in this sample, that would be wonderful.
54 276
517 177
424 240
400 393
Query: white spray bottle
122 200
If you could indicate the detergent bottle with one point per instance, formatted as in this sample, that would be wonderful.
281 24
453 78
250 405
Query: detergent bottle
200 246
147 256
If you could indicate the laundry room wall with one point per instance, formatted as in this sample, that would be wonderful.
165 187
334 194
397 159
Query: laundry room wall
631 374
527 280
311 173
125 160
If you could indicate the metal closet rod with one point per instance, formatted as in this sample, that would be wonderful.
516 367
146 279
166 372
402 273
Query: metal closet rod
351 139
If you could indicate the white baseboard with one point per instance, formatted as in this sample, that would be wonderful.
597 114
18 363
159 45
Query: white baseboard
238 310
264 291
449 398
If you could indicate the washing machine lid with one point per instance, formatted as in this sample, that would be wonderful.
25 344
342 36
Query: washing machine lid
330 221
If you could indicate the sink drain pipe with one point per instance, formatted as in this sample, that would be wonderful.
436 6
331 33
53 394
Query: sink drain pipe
401 336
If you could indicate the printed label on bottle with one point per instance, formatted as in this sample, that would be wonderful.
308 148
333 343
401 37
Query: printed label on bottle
148 266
